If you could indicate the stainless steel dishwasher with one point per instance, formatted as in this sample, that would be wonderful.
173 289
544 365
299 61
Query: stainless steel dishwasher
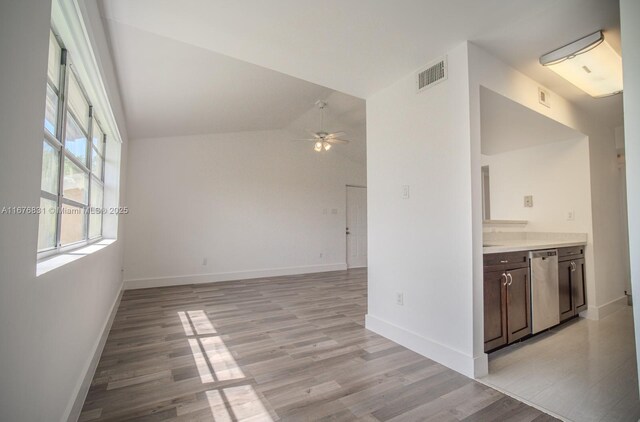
545 296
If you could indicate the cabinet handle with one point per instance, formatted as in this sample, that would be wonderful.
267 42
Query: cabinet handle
505 279
504 261
573 266
510 277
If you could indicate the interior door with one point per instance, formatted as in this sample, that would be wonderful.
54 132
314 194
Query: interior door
356 227
518 304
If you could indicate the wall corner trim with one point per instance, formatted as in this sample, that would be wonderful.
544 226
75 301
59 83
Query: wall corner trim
451 358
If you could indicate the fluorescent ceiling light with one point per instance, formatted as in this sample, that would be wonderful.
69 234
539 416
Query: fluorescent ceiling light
589 63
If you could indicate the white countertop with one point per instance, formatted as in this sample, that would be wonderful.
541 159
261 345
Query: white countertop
496 242
527 245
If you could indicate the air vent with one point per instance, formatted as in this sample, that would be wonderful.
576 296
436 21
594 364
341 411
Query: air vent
431 75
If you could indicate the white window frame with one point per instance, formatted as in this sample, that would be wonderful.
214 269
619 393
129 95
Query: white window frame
58 143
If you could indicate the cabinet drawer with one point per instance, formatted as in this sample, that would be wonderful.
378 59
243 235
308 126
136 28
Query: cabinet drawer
507 260
573 252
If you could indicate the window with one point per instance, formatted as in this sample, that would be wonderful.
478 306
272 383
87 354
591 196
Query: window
73 157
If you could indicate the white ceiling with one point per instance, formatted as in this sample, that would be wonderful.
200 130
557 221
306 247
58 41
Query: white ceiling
526 128
170 88
193 55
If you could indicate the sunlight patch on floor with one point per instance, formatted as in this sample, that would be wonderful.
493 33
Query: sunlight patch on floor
216 363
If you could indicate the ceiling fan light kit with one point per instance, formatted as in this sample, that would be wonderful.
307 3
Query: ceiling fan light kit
323 141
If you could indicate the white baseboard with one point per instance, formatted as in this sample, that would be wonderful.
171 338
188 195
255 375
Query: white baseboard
451 358
599 312
178 280
74 408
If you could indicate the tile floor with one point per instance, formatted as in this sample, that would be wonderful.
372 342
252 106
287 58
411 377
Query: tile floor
582 371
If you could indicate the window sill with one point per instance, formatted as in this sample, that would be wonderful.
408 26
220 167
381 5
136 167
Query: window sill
56 261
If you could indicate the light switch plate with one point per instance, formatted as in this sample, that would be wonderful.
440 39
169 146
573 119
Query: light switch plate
543 97
405 191
528 201
571 215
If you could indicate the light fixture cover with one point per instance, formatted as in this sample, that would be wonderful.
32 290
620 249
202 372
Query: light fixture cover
318 146
590 64
326 145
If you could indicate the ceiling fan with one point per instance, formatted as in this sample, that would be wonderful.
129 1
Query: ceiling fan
324 140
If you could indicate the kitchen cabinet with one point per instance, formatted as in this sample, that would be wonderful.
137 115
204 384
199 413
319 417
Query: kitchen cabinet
572 282
507 301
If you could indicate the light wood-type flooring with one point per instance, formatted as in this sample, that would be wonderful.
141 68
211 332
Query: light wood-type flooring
290 348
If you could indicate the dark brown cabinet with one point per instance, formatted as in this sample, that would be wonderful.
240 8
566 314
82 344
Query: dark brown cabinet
571 278
507 293
507 301
518 304
495 310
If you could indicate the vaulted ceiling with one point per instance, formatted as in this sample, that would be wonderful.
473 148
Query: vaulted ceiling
194 66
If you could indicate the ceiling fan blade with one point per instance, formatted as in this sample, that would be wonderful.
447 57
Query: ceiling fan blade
307 140
337 141
314 134
335 135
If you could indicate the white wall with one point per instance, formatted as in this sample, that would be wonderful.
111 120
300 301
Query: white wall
251 203
421 246
630 21
556 174
50 325
607 279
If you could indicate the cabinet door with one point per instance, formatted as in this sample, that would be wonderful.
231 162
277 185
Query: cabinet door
565 270
518 304
578 287
495 310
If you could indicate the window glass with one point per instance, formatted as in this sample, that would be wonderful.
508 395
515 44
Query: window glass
77 101
50 168
51 111
95 218
73 225
53 70
75 183
47 225
96 164
75 140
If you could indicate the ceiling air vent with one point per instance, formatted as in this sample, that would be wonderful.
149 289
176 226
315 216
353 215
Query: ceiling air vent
432 74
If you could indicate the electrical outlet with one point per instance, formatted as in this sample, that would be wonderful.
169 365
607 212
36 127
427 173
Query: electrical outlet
321 255
399 298
204 261
528 201
405 191
571 215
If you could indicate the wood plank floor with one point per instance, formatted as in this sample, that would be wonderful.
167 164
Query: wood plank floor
288 348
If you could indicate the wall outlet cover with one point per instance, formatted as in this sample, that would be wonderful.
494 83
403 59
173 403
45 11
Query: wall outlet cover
399 298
